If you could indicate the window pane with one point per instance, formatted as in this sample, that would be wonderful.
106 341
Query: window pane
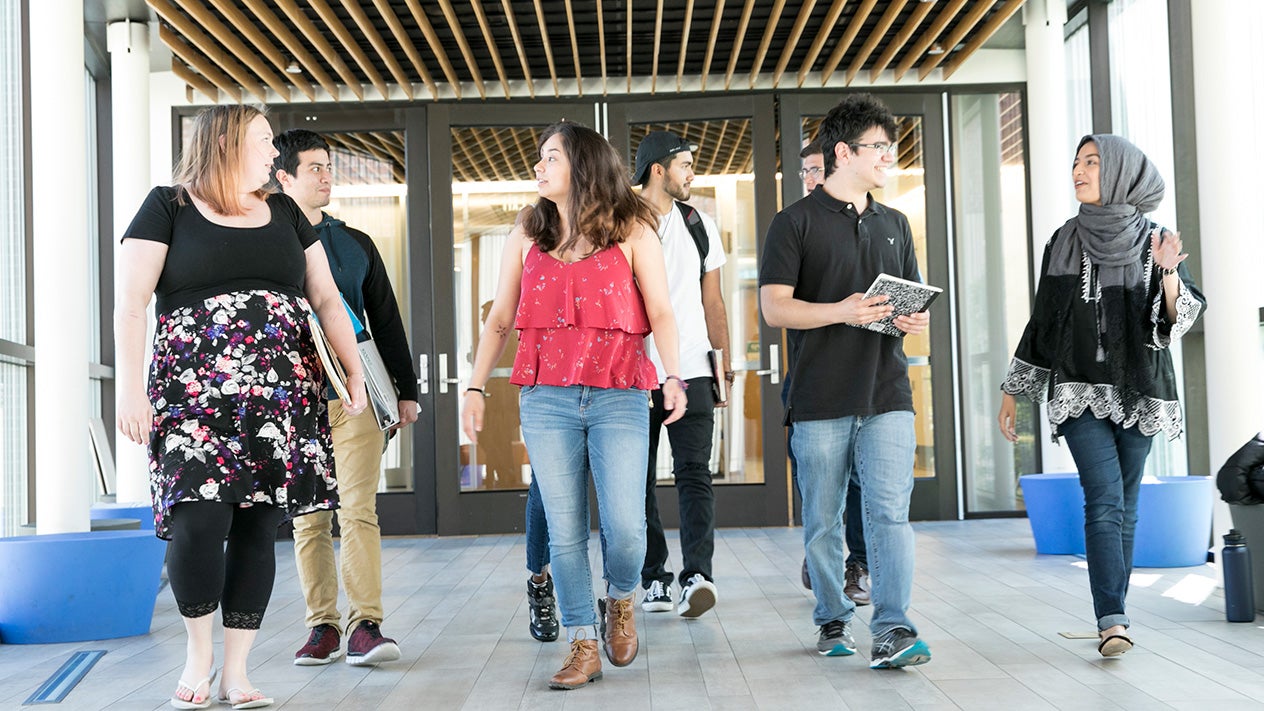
12 217
992 258
13 493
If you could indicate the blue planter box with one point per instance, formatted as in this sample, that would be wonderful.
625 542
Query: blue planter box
140 511
76 587
1173 518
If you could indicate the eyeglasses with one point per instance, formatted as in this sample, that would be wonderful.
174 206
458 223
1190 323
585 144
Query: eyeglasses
884 148
814 172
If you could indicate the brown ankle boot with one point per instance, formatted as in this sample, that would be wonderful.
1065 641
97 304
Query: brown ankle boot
620 632
582 666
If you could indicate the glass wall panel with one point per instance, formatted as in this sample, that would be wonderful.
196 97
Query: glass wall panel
12 206
993 291
1141 111
13 463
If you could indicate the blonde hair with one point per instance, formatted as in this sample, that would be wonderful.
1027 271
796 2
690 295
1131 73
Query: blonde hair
210 165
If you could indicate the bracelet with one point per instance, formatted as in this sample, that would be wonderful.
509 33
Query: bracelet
1167 272
683 385
729 375
472 389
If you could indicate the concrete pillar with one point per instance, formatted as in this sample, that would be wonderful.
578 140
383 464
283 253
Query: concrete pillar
1228 97
64 475
1048 155
128 44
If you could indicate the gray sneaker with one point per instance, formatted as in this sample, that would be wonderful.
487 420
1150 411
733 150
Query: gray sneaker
898 648
835 639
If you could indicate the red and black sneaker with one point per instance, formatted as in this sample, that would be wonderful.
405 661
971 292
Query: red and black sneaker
366 645
324 645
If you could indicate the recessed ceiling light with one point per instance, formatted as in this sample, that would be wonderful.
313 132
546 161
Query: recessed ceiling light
936 48
293 68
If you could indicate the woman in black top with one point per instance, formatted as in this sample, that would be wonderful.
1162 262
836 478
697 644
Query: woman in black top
234 416
1113 295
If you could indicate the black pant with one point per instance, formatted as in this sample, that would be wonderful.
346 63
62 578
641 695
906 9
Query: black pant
203 571
690 438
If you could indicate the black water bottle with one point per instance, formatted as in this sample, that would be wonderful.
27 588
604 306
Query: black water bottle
1235 561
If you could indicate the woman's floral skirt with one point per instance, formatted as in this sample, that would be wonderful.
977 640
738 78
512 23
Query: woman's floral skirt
239 408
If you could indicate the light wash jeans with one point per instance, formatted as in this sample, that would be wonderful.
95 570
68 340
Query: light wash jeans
570 431
879 449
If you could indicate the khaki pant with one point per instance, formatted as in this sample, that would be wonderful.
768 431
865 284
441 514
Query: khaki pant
357 458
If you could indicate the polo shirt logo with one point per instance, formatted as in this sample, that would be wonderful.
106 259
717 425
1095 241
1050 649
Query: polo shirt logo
891 240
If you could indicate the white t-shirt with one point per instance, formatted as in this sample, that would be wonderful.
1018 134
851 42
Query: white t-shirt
684 288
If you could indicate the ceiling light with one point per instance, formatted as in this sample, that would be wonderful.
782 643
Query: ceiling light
293 68
936 48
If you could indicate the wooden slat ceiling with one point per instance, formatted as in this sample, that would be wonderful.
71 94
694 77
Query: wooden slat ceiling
350 50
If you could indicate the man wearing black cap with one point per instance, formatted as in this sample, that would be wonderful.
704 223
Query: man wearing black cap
693 255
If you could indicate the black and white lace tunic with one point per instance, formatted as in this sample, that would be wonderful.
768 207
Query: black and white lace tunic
1073 372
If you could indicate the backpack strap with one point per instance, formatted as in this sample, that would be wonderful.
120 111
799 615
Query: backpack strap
698 231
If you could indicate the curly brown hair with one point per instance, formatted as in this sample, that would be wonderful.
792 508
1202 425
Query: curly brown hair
601 206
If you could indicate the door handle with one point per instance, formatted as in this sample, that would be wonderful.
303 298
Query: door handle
774 360
444 380
423 370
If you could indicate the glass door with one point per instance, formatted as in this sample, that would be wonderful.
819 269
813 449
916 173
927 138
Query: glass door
481 176
734 184
916 187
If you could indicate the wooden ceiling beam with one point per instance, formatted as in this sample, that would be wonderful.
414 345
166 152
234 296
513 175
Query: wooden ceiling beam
293 45
475 165
432 39
920 11
250 28
326 51
658 43
822 35
853 28
387 55
743 124
410 50
792 42
205 66
570 26
737 42
983 35
684 45
348 42
186 74
769 29
601 46
522 52
548 46
963 28
875 38
208 47
715 33
471 62
387 141
490 41
927 38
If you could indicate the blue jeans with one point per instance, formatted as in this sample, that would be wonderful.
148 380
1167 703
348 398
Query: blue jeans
570 431
537 529
879 449
1110 459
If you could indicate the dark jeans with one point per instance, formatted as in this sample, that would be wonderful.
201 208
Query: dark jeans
1110 459
853 519
690 438
537 530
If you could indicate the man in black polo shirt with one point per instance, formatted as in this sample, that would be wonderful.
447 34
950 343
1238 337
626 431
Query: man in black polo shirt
850 401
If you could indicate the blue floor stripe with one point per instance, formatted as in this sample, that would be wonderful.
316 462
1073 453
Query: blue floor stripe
64 680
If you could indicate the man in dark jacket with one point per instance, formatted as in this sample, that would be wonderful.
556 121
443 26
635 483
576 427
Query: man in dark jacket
1241 479
304 172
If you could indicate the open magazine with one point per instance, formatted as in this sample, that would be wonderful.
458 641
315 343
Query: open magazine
908 297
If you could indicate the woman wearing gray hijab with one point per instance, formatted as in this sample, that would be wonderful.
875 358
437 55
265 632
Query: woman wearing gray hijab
1114 294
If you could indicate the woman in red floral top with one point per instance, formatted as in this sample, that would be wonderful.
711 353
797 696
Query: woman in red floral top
582 279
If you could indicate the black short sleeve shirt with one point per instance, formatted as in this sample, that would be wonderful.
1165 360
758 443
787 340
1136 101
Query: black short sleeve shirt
827 252
205 259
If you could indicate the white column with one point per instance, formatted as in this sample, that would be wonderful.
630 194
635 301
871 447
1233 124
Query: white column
1048 156
1228 97
128 44
63 473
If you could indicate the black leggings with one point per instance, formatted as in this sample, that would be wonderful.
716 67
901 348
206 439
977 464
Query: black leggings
202 570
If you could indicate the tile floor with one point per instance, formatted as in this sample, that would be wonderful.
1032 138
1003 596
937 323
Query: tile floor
991 610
